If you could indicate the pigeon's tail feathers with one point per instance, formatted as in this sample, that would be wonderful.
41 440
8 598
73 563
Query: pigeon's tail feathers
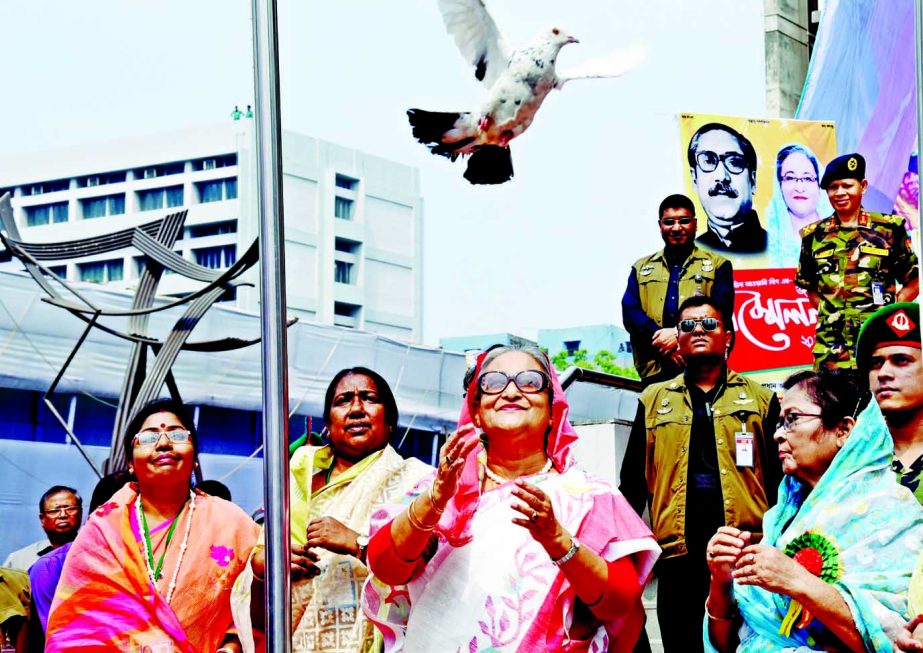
490 164
442 132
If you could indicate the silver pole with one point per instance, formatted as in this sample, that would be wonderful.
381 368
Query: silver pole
267 131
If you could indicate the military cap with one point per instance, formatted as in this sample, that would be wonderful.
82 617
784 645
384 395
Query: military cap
895 324
848 166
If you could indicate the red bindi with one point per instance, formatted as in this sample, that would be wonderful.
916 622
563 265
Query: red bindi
163 426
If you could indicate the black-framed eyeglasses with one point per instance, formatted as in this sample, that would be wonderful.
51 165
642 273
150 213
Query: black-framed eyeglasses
787 422
150 438
708 324
528 381
708 161
70 511
669 222
791 179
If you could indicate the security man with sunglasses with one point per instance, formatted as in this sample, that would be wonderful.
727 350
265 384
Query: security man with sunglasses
700 455
722 164
659 283
851 263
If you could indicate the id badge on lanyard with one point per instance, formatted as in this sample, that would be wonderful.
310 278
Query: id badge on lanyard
743 440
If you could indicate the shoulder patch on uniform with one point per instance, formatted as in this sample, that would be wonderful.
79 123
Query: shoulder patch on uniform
887 218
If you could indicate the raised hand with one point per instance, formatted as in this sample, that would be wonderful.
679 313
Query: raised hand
539 519
452 457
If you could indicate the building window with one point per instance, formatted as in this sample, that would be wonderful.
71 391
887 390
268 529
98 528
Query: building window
346 314
343 208
101 179
217 190
151 172
348 183
47 187
101 271
60 270
213 229
98 207
150 200
343 272
216 257
46 214
346 246
213 162
571 346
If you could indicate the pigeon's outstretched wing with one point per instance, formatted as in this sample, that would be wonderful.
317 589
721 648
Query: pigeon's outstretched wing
478 38
613 65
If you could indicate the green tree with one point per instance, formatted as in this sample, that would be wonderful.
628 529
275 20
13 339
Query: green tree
603 361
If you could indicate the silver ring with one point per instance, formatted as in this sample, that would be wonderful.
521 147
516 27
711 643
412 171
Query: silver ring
533 515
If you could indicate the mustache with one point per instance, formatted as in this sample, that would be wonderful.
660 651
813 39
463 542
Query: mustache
722 188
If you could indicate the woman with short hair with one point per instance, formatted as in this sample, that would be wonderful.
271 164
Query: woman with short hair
834 565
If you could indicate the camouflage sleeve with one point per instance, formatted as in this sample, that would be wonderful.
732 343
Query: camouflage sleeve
905 259
806 276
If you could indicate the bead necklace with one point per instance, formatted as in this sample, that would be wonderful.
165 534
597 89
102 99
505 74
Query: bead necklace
153 574
499 480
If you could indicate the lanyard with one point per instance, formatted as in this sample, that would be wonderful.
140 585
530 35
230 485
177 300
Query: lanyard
147 539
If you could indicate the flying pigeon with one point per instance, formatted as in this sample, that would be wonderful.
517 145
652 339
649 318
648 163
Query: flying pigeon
518 81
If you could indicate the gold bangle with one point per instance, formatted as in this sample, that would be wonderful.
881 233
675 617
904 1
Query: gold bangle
415 521
734 613
432 500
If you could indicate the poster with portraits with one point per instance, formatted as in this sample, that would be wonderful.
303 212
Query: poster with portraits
755 184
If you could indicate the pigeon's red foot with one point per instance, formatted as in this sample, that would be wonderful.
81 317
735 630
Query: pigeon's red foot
484 124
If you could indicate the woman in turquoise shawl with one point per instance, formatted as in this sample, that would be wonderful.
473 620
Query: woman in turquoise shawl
833 569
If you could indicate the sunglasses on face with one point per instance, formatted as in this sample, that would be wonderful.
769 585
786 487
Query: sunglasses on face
708 324
669 222
528 381
150 438
708 161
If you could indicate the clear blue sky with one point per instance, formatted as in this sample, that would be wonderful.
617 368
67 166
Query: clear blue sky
550 249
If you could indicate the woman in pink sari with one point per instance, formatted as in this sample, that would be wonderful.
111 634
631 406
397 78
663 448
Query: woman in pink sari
152 569
508 546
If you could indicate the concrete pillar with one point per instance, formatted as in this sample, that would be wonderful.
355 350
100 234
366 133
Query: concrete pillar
786 27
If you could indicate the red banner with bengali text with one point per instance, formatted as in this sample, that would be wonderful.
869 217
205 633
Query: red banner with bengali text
774 320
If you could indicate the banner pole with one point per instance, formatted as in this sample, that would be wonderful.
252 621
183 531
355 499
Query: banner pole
918 40
268 166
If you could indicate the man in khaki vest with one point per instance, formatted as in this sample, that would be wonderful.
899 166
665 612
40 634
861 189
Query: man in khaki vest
659 283
700 455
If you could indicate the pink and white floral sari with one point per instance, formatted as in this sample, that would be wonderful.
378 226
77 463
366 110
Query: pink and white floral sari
490 586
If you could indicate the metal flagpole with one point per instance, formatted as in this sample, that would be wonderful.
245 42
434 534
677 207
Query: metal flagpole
268 140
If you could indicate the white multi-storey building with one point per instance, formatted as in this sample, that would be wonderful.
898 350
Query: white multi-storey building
353 221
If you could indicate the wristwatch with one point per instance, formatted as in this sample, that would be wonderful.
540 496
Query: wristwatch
362 542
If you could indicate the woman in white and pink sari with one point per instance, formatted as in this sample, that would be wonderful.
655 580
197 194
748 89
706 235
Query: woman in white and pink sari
508 546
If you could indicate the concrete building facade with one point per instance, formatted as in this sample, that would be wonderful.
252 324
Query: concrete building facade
353 221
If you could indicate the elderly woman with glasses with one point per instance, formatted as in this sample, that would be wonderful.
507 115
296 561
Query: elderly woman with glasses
509 546
834 565
152 569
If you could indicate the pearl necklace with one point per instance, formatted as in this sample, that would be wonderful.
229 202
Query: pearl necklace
182 549
499 480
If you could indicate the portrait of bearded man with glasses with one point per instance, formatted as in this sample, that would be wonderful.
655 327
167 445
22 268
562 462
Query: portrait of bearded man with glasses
722 163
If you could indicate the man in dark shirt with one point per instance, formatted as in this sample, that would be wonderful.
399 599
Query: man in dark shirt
700 455
659 283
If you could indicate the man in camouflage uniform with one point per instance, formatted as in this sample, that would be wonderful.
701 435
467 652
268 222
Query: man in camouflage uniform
889 355
851 263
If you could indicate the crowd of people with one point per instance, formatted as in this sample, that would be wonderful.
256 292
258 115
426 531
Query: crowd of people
790 523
